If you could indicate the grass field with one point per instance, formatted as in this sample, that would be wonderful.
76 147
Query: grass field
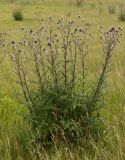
14 128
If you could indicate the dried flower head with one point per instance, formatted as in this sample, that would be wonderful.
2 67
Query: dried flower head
111 37
12 42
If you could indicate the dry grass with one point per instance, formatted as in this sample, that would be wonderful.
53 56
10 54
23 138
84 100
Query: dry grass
13 128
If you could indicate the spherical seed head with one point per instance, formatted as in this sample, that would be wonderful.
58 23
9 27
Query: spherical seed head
49 44
55 35
12 57
30 31
80 30
101 37
44 49
19 50
75 30
13 42
50 17
35 41
22 28
42 27
112 29
119 28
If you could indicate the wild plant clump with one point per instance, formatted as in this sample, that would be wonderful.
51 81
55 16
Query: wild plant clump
17 15
122 12
79 3
122 16
50 66
111 9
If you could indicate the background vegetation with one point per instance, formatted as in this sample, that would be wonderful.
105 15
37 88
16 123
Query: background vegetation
15 132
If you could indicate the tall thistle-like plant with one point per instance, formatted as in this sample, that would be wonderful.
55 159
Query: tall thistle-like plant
50 67
110 40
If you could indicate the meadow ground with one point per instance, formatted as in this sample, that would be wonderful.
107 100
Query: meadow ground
13 127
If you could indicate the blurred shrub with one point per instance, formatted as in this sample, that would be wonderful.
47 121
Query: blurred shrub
79 3
93 5
122 11
25 2
122 16
111 9
17 15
